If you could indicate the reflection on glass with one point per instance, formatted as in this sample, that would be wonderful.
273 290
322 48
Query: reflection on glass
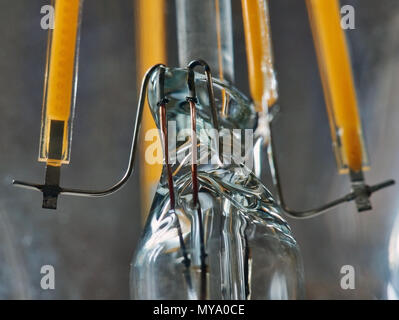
251 253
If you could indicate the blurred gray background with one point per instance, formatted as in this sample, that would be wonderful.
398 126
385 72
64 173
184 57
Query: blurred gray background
90 242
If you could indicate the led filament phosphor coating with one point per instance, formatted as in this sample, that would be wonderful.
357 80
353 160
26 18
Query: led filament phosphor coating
60 83
340 94
338 84
59 96
262 78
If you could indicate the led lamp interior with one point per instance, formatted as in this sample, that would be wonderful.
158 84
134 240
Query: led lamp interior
204 28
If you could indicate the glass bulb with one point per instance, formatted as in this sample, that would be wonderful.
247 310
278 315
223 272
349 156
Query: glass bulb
251 253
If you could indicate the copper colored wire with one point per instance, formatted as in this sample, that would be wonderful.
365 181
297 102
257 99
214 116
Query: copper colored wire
191 99
164 131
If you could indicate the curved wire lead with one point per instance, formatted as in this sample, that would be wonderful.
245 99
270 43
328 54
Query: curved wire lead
211 93
192 100
56 190
360 192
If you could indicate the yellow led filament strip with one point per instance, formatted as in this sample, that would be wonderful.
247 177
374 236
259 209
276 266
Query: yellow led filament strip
262 80
151 46
60 82
339 90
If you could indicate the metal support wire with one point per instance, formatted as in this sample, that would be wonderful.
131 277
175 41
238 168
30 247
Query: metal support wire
192 100
360 191
55 190
162 102
191 66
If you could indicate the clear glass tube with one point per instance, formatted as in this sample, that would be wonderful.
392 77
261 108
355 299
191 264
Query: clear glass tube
250 250
205 31
60 83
